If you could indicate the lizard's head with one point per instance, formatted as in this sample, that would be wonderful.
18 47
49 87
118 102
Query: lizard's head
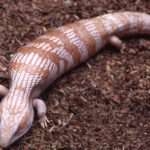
15 120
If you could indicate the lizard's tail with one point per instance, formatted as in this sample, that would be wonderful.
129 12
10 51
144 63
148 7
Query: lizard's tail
92 34
69 45
125 23
112 26
118 24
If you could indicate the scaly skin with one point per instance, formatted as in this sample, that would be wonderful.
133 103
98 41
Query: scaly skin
39 63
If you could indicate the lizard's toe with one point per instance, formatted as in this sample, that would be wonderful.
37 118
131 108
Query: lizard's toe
44 121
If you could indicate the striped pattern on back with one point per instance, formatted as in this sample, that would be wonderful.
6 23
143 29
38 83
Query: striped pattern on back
40 62
52 54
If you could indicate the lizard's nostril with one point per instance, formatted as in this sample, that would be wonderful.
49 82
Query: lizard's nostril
2 144
4 141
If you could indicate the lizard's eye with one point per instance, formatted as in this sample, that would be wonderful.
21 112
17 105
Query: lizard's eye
18 133
23 127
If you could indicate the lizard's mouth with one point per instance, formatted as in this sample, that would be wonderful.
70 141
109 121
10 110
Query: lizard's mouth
6 141
10 135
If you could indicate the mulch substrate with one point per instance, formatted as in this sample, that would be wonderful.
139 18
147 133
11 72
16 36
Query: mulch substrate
104 104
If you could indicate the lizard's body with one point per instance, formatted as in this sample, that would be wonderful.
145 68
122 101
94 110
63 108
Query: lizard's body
36 65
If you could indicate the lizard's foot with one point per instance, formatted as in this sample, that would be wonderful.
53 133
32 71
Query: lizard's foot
115 41
44 121
41 108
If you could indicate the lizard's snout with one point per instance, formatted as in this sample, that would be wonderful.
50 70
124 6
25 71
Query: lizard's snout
6 136
3 145
4 142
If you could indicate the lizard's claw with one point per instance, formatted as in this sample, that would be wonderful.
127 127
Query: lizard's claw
44 121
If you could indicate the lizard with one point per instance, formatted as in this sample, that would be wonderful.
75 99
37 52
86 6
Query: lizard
40 62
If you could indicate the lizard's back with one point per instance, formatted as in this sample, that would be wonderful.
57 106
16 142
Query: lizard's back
52 54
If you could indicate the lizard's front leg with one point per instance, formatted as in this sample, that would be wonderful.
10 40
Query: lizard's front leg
3 74
41 108
3 90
